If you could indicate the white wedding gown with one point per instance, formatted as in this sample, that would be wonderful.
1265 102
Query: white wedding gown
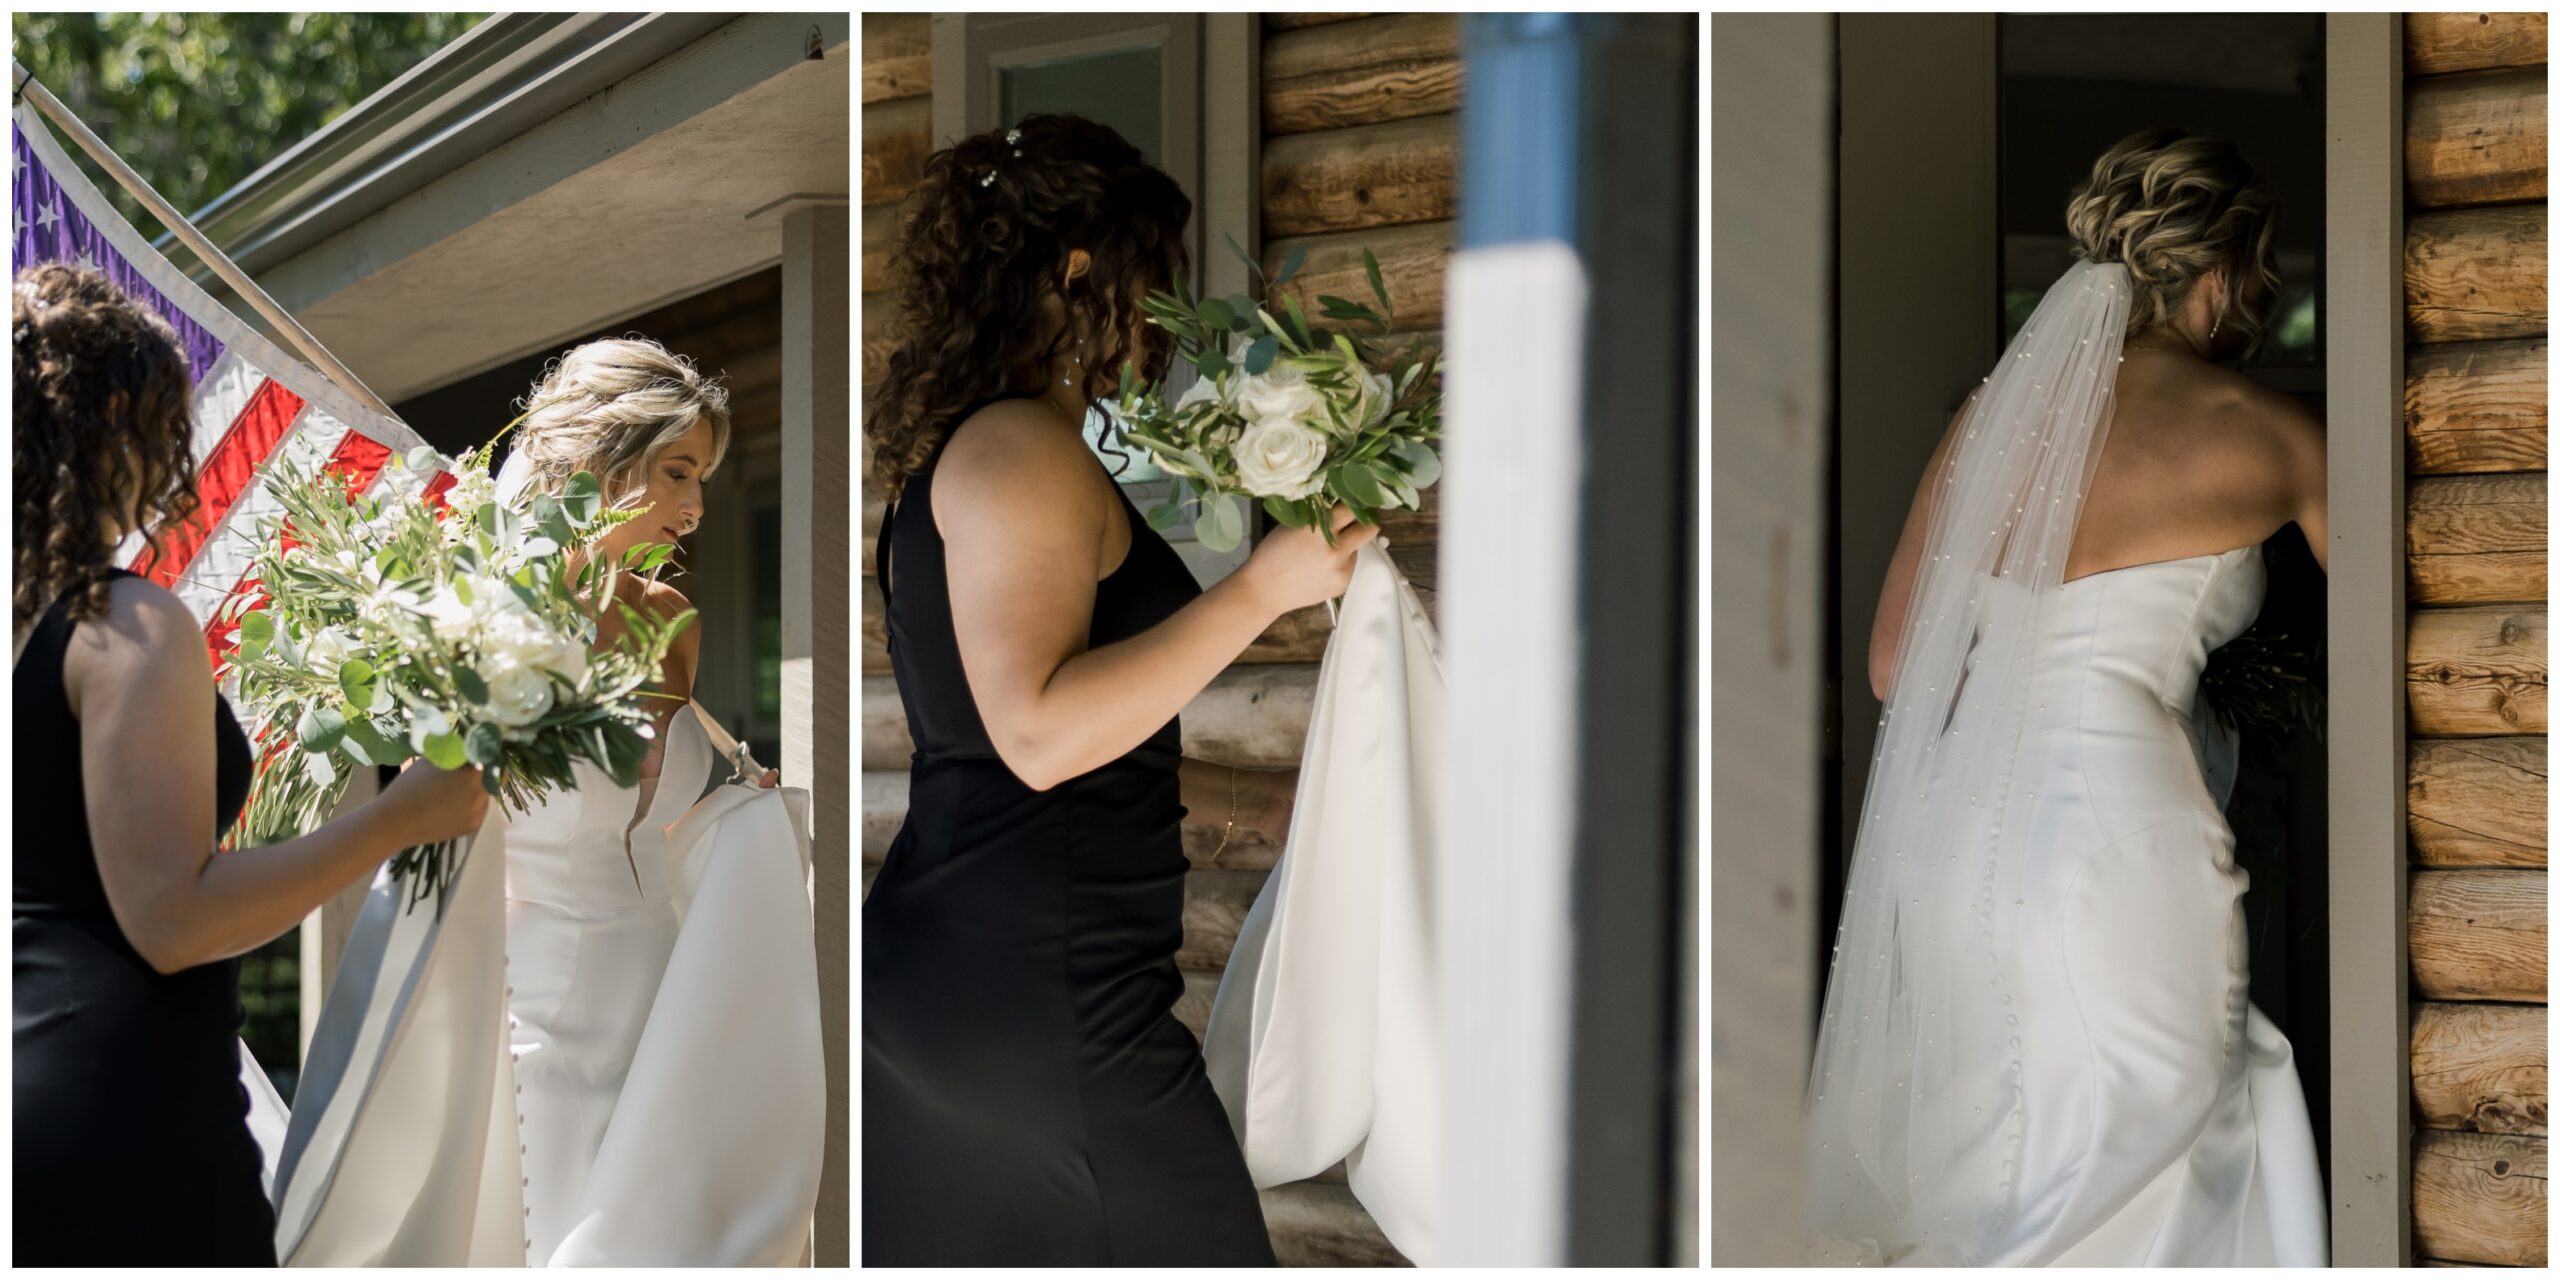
596 1055
1324 1041
2153 1116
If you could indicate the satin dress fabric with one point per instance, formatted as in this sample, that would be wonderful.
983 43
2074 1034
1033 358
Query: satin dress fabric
1028 1098
652 1090
1324 1041
130 1141
2164 1124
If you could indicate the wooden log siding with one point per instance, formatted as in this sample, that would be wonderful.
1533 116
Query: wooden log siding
2480 1198
1371 176
897 56
2478 935
2479 802
2436 43
2475 672
2478 539
1389 67
1301 21
895 142
2479 407
2477 139
2481 1068
1412 259
2475 274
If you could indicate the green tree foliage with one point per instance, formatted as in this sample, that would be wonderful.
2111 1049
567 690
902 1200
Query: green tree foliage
195 102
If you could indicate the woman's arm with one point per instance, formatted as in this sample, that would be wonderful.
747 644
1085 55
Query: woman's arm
1884 641
1023 513
142 688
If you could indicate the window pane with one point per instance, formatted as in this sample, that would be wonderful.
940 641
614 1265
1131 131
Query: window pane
1122 88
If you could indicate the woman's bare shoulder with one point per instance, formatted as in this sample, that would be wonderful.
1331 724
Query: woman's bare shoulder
1019 457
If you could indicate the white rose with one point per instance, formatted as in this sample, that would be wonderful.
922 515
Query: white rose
452 619
519 638
1279 392
518 695
1277 458
1203 391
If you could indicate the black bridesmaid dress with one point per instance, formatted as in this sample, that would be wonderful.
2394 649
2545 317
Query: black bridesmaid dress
1027 1097
132 1142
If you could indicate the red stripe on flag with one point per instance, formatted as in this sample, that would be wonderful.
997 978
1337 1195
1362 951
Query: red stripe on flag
436 488
224 477
358 459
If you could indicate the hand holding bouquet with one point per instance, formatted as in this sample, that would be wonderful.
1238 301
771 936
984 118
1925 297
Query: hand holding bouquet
392 630
1298 416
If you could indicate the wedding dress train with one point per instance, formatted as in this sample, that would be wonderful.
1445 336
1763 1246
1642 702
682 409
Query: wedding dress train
587 1054
1323 1041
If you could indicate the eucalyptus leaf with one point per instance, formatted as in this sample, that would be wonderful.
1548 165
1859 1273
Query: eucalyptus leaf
256 631
319 728
422 458
1216 314
1420 462
1356 484
483 744
468 683
355 678
445 751
1164 516
1257 359
1221 523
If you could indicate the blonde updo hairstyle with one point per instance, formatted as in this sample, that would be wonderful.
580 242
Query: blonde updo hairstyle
610 407
2172 205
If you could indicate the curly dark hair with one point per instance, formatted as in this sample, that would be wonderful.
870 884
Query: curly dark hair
101 432
984 241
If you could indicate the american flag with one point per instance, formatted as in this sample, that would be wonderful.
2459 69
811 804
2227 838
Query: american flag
252 402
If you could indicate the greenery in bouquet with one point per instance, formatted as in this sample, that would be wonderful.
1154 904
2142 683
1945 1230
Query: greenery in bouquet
392 630
1295 415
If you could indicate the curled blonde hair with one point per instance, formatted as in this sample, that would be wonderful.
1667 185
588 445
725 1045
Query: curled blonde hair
611 406
2172 205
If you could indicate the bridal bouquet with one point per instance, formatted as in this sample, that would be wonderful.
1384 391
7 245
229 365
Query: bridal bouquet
393 630
1298 416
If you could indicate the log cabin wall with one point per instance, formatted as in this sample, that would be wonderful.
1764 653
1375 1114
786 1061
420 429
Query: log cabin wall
1359 150
2477 409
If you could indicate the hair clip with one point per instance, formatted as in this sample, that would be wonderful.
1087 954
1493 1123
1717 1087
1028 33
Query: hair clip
987 179
1012 136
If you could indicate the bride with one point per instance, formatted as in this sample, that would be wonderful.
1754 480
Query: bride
2037 1046
659 979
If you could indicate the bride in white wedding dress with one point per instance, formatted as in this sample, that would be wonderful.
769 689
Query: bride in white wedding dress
2037 1047
638 1078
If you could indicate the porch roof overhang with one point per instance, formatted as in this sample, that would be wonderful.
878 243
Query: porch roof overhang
542 177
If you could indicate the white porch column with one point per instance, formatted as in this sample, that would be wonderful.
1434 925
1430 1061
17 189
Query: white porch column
818 559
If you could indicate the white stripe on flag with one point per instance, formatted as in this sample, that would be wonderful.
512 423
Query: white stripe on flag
227 555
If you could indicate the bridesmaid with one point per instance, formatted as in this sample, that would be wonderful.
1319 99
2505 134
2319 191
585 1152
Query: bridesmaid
132 1145
1027 1095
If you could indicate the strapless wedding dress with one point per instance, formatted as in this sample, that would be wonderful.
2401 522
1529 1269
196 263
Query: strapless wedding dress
603 1049
2156 1117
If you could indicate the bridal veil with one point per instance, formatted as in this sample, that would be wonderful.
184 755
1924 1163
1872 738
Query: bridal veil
1911 1150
